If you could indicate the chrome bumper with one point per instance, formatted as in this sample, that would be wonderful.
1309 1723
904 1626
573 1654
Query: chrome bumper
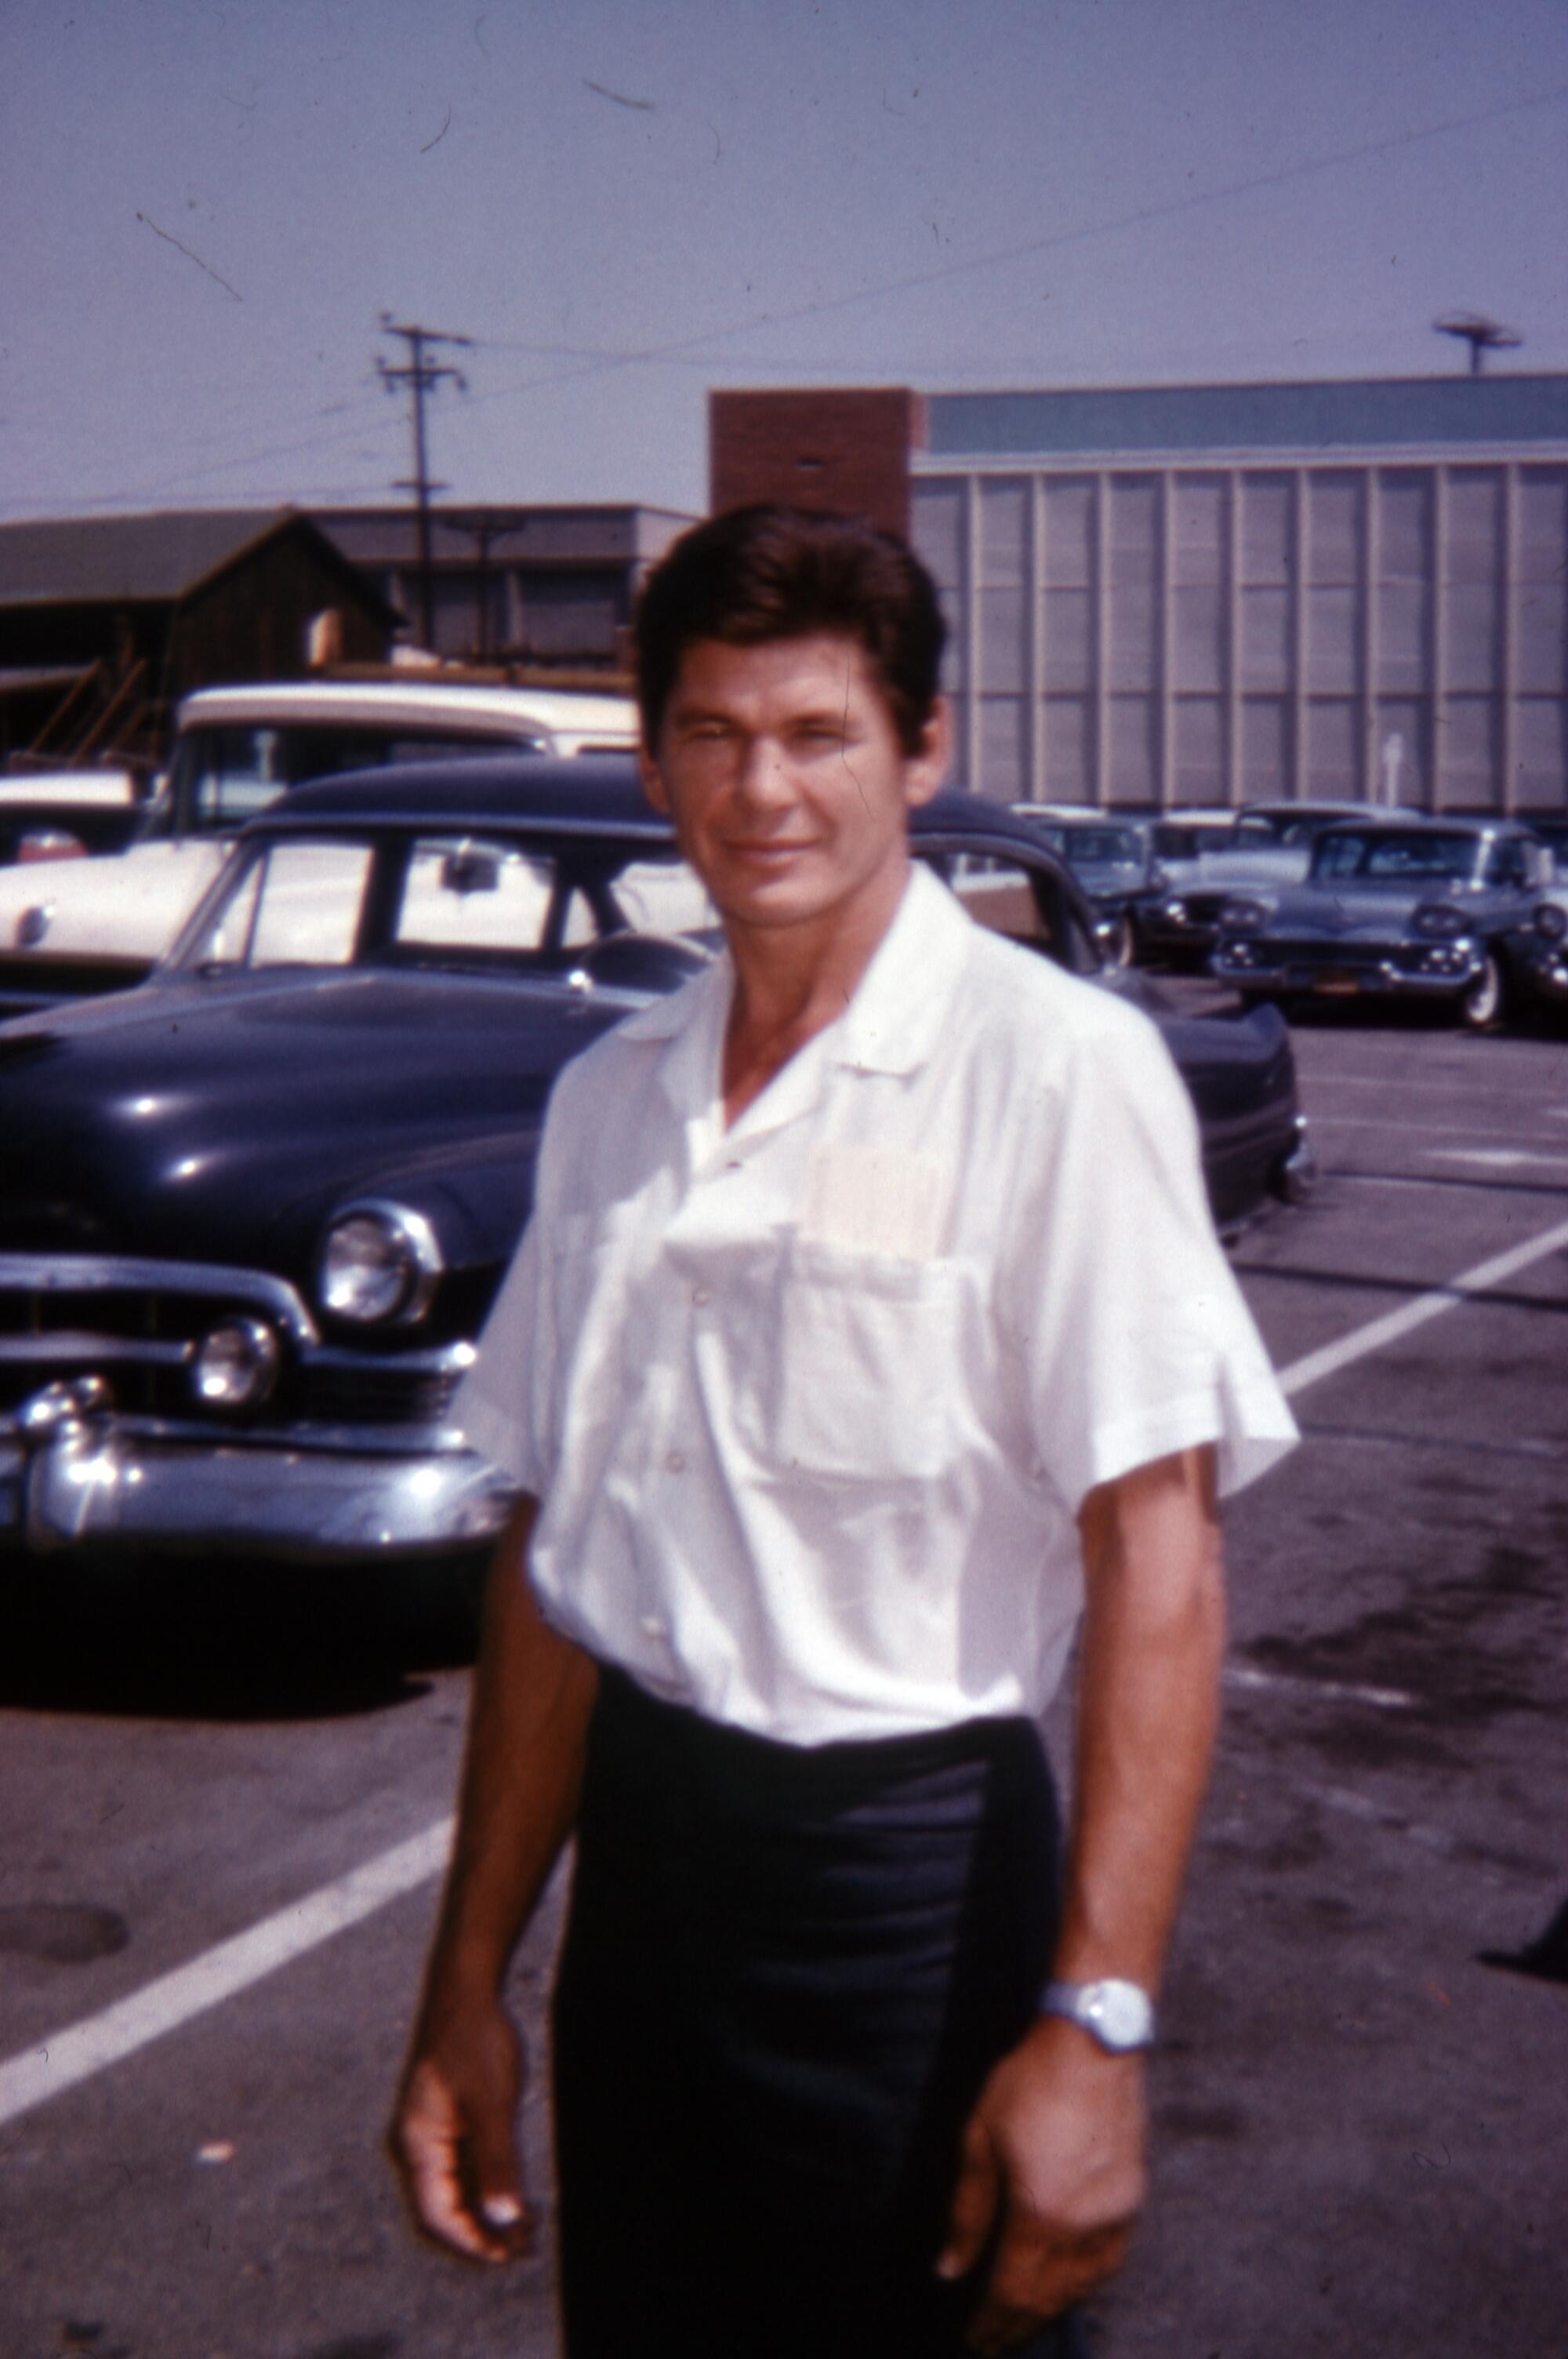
1381 979
73 1474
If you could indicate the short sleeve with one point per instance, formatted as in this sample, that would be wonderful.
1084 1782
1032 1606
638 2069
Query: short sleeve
1135 1337
497 1404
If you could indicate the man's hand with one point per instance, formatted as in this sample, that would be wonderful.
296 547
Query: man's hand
453 2135
1052 2177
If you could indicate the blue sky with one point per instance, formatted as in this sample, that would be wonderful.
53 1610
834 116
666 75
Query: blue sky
207 207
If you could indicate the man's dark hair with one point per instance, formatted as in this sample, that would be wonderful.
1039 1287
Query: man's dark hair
769 572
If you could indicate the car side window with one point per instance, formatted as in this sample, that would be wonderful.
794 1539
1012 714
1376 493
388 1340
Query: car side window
1506 864
662 896
1025 905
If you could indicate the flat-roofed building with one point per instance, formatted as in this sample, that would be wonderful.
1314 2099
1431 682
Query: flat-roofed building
533 584
1210 595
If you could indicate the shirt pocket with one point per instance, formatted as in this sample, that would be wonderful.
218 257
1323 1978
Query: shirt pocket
859 1376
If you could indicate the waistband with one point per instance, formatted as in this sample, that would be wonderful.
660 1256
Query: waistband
627 1719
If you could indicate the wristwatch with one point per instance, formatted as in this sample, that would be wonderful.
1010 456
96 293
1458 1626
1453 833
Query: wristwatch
1118 2014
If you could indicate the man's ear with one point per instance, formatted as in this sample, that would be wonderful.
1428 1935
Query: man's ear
925 770
652 778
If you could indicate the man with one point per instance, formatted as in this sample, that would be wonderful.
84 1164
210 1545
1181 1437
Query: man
869 1321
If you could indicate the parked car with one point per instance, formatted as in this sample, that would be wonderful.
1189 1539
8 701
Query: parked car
66 931
63 814
1394 907
1537 949
1265 844
252 1213
1113 861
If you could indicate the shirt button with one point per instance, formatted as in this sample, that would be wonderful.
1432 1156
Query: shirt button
653 1626
676 1462
702 1295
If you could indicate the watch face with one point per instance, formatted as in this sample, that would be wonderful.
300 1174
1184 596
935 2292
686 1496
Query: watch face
1120 2014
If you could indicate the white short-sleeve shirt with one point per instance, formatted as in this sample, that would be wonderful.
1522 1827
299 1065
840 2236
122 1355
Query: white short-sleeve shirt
811 1403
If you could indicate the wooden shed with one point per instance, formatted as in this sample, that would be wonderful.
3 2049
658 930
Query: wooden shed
105 621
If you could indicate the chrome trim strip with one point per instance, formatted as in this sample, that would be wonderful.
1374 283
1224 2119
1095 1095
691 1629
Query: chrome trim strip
116 1350
107 1273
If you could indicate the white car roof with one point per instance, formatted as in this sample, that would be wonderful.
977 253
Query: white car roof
574 714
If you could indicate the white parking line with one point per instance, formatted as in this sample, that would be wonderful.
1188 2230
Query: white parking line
74 2054
1248 1675
58 2061
1498 1158
1362 1342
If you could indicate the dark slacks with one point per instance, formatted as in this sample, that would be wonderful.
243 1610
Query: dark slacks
785 1975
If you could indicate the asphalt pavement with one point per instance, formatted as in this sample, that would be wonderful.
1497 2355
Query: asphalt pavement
223 1796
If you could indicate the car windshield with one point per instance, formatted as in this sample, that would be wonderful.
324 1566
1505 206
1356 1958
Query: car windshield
1184 840
442 899
1098 847
1395 853
222 776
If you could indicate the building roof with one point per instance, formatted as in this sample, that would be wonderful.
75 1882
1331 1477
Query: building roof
153 558
580 533
1362 414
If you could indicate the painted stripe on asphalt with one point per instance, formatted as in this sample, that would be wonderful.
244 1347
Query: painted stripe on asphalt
65 2057
1248 1675
58 2061
1497 1159
1362 1342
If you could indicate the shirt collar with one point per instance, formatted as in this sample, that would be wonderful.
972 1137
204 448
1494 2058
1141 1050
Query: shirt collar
899 1004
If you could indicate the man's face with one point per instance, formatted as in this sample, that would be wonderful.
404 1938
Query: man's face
781 769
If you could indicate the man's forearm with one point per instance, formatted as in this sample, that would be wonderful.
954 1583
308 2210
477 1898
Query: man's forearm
1147 1710
522 1766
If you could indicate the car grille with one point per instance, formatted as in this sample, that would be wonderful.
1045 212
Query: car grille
1204 909
1311 959
138 1325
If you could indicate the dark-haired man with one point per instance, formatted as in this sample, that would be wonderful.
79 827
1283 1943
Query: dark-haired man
869 1322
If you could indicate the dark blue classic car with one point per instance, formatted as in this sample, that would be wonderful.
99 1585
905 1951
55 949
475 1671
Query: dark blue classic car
1113 861
252 1212
1395 907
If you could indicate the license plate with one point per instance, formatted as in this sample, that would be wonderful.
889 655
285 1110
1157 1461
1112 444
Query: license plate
1339 980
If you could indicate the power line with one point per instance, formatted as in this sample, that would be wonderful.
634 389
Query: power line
1141 217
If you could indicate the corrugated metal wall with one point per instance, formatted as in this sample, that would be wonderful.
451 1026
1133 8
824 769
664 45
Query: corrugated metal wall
1167 635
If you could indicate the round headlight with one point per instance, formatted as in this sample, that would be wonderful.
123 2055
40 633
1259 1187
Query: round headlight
236 1365
378 1263
1552 921
1242 916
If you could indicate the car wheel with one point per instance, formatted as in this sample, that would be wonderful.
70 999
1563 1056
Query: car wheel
1118 942
1483 1003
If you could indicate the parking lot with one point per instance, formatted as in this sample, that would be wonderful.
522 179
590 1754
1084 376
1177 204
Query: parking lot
222 1808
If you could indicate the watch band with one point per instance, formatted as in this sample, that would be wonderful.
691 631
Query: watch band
1118 2014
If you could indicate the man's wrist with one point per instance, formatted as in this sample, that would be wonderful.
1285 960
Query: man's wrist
1117 2015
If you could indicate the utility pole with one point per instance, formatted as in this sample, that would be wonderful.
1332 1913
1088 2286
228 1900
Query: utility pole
484 531
420 374
1481 334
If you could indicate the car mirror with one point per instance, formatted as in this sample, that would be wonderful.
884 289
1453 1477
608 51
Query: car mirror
471 872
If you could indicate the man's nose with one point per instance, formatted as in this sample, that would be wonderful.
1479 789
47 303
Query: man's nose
763 775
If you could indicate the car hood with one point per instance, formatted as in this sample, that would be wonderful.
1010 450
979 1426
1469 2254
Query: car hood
1373 911
1279 864
223 1121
